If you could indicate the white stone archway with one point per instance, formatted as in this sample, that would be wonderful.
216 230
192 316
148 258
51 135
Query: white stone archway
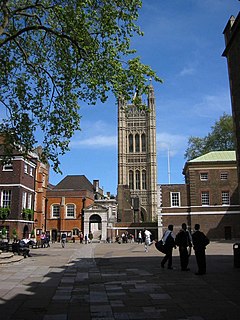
96 215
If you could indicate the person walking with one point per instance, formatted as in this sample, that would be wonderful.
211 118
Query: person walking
148 241
200 241
169 243
184 242
81 237
90 237
140 237
63 239
43 240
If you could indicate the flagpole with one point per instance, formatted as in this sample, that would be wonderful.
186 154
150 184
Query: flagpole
169 175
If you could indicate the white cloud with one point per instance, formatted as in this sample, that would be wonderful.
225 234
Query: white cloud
173 142
187 71
98 141
210 105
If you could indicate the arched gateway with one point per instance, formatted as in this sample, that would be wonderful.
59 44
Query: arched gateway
95 220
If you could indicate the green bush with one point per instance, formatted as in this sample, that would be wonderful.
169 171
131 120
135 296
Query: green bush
27 213
4 231
4 213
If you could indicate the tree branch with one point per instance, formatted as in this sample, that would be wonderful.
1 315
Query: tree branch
5 16
31 16
48 30
34 6
41 68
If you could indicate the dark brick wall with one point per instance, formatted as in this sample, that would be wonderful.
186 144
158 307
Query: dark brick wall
232 53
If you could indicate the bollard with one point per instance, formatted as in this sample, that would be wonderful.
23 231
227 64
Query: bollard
236 255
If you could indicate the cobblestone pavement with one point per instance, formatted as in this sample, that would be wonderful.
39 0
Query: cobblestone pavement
118 281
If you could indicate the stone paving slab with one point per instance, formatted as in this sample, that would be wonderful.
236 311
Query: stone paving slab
112 281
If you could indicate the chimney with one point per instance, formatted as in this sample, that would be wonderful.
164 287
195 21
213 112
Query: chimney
96 185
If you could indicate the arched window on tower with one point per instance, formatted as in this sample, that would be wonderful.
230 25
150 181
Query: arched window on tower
137 143
137 179
131 180
143 140
144 180
130 143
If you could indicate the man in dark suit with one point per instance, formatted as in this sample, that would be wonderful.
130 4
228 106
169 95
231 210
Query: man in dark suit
200 241
184 241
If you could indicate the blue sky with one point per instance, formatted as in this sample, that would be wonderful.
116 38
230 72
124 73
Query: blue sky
183 43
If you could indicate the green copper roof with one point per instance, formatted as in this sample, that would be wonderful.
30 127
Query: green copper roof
216 156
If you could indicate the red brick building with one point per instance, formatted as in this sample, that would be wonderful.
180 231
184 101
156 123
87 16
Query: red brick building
65 206
19 193
209 197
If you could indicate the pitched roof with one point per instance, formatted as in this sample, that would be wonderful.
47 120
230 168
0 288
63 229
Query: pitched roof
75 182
215 156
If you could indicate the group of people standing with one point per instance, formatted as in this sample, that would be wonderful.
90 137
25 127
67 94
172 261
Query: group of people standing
184 240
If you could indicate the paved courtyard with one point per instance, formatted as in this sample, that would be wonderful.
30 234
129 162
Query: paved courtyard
118 281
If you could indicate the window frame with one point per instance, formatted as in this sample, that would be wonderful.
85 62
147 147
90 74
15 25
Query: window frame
7 167
73 213
130 143
205 193
131 179
53 206
224 198
24 200
144 180
175 200
138 180
143 142
201 175
223 176
137 142
6 198
25 168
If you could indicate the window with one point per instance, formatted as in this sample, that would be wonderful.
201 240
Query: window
8 167
75 232
175 199
55 210
70 210
203 176
131 180
43 180
225 198
137 143
25 168
143 137
224 175
144 180
24 200
29 201
6 199
31 171
130 142
205 198
138 180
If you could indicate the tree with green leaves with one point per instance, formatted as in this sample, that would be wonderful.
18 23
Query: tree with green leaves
56 54
221 138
